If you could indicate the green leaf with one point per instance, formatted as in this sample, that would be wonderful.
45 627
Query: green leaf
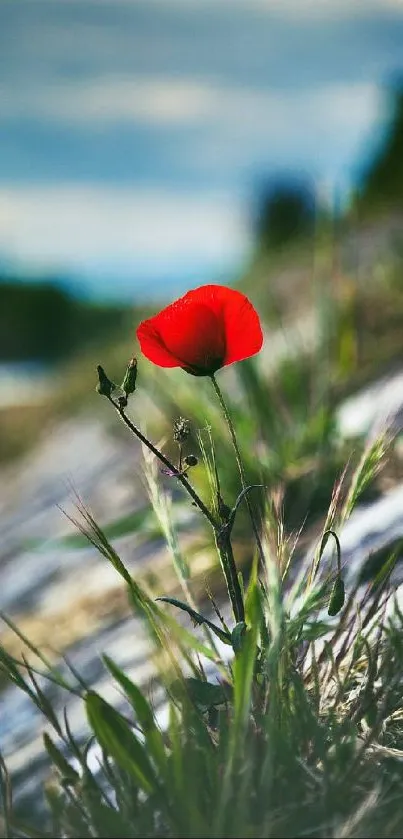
313 630
8 664
203 694
197 618
109 823
142 711
66 770
50 673
237 635
28 830
42 701
244 663
6 796
380 564
117 738
140 522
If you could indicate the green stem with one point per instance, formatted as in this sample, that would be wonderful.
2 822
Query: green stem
241 469
222 535
228 565
182 478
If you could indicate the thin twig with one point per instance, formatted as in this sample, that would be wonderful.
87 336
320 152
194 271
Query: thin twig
177 474
222 536
241 469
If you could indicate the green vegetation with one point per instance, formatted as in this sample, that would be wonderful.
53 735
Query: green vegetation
42 322
285 213
289 723
287 720
383 179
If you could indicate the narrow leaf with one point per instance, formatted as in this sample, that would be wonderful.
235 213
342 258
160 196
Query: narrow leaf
143 713
117 738
197 618
66 770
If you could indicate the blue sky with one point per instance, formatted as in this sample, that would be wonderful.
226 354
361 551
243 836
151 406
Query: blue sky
133 133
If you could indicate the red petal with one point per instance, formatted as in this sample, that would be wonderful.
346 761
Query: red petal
207 328
193 334
242 329
152 346
186 334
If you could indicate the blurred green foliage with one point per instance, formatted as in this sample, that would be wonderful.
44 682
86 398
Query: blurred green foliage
298 733
285 212
383 178
43 322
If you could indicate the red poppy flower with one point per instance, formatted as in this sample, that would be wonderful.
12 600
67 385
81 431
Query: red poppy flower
207 328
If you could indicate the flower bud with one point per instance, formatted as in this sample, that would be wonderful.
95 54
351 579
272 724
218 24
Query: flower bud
129 381
191 460
104 386
181 430
337 597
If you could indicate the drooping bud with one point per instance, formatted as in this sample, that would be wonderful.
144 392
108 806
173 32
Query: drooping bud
190 460
129 381
104 386
181 430
337 597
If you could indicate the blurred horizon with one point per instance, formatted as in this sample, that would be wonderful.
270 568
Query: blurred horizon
136 134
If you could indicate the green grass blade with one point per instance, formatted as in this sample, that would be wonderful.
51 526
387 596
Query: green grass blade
143 712
117 739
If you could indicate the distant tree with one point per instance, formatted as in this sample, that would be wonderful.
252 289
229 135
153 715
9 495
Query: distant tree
35 321
382 179
40 321
285 211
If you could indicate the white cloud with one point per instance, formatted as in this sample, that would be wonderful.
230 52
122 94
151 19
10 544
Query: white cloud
71 227
171 101
317 9
271 130
112 99
75 227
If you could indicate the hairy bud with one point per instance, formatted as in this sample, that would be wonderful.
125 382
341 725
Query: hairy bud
181 430
129 381
104 386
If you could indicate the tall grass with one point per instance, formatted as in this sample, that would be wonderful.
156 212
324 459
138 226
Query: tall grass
287 723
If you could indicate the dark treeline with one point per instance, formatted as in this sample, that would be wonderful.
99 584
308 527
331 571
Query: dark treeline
43 322
382 179
287 209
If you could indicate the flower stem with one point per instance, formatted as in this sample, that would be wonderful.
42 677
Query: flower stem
222 534
182 478
223 541
241 469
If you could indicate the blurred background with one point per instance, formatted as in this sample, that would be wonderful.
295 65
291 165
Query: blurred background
139 141
147 147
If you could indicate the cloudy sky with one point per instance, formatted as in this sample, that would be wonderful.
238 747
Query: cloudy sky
134 133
